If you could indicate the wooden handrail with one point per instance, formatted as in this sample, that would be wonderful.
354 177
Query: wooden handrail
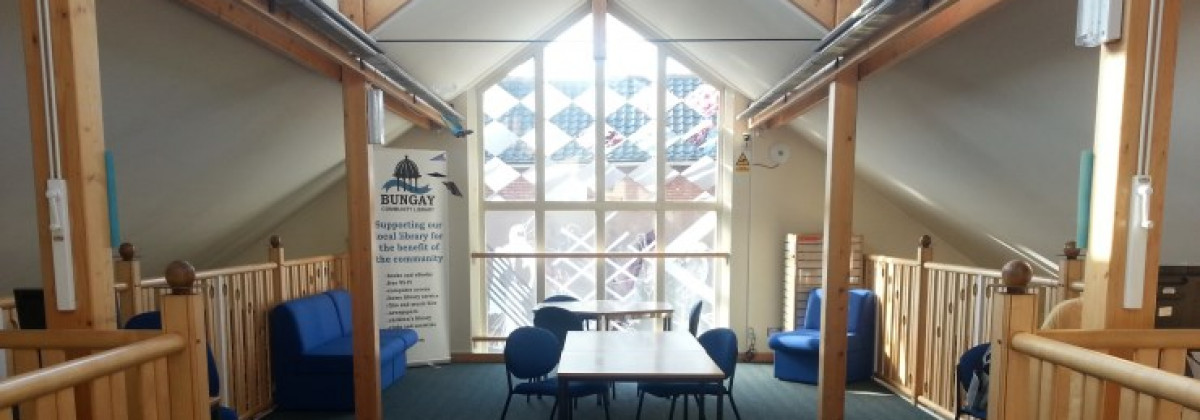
893 260
72 339
8 303
73 372
1126 339
200 275
986 272
310 260
1139 378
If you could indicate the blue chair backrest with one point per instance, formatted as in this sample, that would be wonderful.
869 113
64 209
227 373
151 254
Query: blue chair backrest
860 312
530 352
153 321
561 298
970 361
341 300
694 318
721 345
558 321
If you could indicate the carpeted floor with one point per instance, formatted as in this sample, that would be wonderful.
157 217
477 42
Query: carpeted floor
477 391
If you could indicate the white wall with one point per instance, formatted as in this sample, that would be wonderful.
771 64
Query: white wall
791 199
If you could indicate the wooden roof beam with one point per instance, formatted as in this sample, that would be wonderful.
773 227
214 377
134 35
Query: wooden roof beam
295 40
821 11
924 30
379 11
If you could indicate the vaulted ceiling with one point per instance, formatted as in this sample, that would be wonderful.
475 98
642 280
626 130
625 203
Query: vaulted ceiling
217 139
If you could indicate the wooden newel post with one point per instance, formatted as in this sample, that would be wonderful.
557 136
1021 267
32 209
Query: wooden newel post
275 254
1014 310
127 271
183 314
1070 270
924 255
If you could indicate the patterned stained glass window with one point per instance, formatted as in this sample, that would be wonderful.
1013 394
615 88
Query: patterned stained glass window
601 181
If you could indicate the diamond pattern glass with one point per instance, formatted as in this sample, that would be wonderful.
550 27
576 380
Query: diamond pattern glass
630 279
692 131
570 92
630 104
509 138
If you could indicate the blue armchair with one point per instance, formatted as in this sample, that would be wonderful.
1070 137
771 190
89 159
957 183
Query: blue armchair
797 352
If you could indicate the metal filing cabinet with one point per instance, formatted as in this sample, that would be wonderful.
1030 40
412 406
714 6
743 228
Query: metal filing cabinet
1179 303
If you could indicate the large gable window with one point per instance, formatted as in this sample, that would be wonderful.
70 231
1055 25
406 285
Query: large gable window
600 181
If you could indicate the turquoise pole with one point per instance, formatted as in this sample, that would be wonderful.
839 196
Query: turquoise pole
1084 206
114 226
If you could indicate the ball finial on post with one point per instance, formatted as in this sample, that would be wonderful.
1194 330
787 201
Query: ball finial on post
1071 250
126 251
1016 276
925 241
276 241
181 276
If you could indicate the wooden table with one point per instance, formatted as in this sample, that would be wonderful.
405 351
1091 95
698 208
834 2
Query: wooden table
633 356
605 310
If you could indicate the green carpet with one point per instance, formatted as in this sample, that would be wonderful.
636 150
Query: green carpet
477 391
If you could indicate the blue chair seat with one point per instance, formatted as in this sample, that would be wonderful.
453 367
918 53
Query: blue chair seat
331 356
409 336
549 387
797 353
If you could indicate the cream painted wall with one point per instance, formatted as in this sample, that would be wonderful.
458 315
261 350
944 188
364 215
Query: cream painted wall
790 199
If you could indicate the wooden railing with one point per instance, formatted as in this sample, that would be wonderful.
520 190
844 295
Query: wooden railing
237 301
1085 374
931 313
118 374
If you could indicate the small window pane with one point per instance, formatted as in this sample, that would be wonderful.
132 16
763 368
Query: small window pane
509 147
630 279
692 130
691 231
691 280
630 116
570 120
509 282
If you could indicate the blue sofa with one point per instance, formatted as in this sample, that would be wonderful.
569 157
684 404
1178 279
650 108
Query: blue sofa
311 353
797 352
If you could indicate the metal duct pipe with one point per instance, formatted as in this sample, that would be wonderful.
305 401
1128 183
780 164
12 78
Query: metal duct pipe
866 22
331 23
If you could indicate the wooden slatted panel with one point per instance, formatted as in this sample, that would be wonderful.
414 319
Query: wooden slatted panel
1174 361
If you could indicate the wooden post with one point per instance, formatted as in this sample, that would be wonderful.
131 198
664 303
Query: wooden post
360 263
924 255
275 255
839 218
75 107
128 271
1070 270
1139 66
1013 311
183 314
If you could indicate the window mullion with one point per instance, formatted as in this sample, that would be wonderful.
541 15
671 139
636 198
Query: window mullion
601 161
539 204
661 196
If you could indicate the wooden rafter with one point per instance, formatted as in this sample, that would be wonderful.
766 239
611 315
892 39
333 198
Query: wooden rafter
295 40
821 11
924 30
379 11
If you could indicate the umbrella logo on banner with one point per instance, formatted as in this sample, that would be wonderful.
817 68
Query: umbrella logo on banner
405 177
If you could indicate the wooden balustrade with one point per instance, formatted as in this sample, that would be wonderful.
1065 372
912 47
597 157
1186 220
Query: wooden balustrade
930 313
1053 374
128 374
237 301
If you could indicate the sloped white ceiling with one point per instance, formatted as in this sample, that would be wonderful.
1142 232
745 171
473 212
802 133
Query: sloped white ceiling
210 133
749 67
982 133
450 68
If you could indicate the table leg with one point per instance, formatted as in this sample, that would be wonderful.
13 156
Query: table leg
721 407
667 322
564 400
603 320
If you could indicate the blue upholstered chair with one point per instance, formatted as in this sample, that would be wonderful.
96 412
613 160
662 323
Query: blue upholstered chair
558 321
561 298
721 346
694 318
530 353
153 321
970 361
796 352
